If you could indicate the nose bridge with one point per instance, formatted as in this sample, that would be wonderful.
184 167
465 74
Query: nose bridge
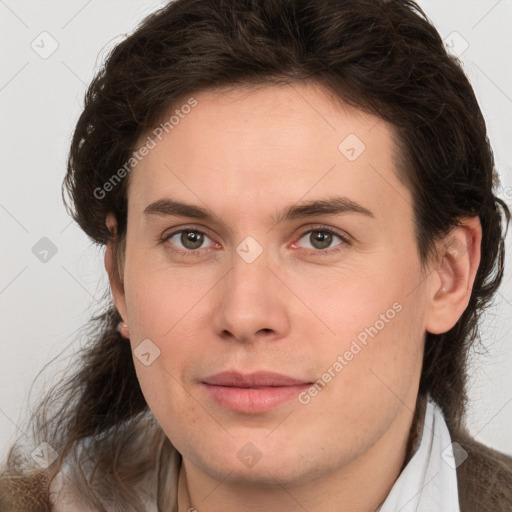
251 302
249 278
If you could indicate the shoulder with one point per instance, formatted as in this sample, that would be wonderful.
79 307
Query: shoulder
484 477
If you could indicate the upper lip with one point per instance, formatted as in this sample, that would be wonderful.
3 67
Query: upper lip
256 379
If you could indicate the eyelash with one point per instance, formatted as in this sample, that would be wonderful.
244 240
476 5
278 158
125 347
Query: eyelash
198 252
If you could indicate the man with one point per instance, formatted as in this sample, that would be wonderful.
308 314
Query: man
297 204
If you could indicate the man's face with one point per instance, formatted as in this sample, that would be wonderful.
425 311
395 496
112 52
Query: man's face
336 299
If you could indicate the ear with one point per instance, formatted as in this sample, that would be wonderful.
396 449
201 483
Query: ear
116 286
452 280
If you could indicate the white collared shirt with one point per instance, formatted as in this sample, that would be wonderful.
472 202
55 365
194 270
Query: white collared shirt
428 483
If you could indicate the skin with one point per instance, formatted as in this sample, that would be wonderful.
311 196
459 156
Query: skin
246 154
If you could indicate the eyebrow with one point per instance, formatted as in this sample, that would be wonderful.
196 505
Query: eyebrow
331 206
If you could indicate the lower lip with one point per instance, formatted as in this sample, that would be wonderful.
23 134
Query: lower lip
253 400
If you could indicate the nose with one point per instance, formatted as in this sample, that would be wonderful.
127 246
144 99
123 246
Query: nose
252 302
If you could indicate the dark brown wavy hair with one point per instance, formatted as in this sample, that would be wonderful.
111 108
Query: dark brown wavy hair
383 57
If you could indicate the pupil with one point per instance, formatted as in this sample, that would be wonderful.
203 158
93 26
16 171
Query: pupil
191 239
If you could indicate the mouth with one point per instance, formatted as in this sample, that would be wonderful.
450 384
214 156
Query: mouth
253 393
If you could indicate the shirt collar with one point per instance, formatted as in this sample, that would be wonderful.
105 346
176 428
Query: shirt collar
429 480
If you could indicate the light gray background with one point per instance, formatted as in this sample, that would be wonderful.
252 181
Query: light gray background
43 305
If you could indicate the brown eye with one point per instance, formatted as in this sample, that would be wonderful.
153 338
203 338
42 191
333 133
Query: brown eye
186 241
192 239
320 239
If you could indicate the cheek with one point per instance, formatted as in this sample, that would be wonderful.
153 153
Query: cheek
372 333
366 373
171 309
160 299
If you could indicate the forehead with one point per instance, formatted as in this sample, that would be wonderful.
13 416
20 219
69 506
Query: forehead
261 147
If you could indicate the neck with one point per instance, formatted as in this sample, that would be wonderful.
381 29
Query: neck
360 486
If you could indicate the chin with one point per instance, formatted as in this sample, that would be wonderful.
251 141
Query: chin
271 467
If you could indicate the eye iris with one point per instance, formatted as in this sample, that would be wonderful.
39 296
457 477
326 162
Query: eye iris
191 239
321 239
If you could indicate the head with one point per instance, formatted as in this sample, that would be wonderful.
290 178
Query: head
245 124
247 113
254 282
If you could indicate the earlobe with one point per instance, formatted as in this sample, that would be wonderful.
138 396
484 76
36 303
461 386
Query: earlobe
452 280
116 286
